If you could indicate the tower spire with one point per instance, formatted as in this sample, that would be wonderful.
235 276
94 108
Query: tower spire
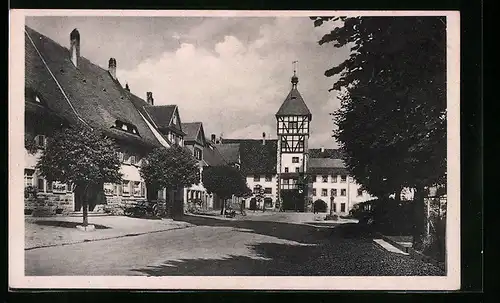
295 79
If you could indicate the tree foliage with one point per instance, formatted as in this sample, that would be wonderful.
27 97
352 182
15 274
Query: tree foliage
392 119
80 156
83 157
225 181
169 168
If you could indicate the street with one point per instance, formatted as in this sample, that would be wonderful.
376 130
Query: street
240 247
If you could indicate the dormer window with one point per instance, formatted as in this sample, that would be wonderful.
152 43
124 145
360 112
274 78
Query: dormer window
127 127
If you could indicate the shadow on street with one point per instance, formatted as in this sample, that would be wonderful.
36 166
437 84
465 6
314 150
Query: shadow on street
346 250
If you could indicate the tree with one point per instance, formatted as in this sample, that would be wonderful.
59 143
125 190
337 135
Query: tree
392 119
224 181
170 168
83 157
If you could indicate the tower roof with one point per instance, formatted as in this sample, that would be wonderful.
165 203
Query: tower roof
294 105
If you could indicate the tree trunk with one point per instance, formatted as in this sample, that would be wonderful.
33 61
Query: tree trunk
397 195
419 218
222 205
85 213
82 192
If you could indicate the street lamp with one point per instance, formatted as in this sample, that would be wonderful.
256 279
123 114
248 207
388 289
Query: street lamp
332 201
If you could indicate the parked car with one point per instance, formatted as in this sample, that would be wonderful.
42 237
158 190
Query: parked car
143 209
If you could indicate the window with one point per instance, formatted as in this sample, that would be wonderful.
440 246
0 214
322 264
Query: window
295 159
58 187
137 189
318 178
297 169
116 190
41 184
40 141
197 153
49 186
334 178
125 127
293 125
360 192
333 192
342 207
286 181
343 178
268 190
126 158
109 189
256 189
286 169
28 177
132 160
314 191
343 192
269 178
143 189
256 178
126 188
325 179
324 192
300 146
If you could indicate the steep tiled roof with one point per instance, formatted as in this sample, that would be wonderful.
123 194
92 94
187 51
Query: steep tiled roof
162 115
142 106
256 158
91 89
230 152
212 156
326 165
194 132
294 105
326 153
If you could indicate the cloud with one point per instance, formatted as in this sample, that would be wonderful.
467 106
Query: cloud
235 86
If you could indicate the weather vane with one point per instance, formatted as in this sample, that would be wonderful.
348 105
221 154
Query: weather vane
295 66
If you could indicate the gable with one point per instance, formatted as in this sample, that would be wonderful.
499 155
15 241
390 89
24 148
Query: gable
175 121
201 136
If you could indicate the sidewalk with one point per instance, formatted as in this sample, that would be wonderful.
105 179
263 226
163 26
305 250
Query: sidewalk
404 243
38 235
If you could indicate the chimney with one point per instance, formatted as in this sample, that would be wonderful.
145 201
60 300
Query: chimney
127 88
322 150
263 138
149 98
112 67
74 48
212 137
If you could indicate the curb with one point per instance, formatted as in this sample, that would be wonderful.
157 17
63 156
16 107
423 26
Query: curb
413 253
211 217
108 238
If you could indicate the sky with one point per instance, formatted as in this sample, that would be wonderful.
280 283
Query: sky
231 73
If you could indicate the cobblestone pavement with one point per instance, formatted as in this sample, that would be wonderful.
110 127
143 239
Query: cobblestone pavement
217 247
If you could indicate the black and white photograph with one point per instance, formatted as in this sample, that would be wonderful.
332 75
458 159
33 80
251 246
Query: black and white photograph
239 150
